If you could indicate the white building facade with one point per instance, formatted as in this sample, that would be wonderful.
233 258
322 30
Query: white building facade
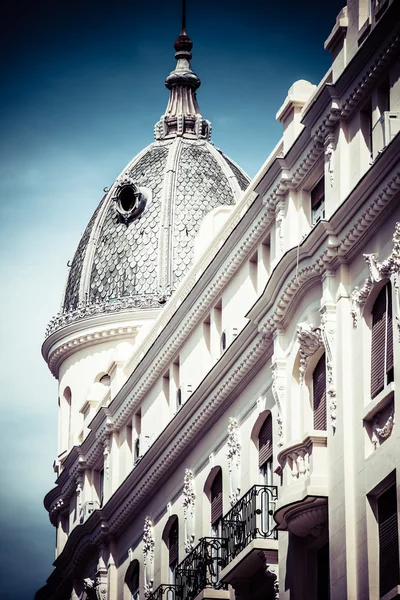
228 353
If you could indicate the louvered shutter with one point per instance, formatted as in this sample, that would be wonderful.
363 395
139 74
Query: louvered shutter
173 539
265 442
378 344
389 576
216 498
389 333
319 395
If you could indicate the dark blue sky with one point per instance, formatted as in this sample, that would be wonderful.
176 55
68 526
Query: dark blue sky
82 87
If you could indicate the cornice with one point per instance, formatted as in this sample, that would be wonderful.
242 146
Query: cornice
91 331
325 247
368 77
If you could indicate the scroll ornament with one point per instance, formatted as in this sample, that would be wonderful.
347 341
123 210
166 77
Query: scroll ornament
388 269
310 341
233 455
189 501
148 556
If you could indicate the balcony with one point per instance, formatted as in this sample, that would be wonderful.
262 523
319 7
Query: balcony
250 554
302 507
198 575
87 509
168 591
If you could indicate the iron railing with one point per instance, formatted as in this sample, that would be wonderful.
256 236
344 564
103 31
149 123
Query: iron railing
250 518
169 591
201 568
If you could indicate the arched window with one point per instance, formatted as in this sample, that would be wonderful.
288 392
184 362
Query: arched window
382 341
132 580
216 503
265 449
319 395
173 544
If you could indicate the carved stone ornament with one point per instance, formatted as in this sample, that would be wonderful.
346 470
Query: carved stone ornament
280 217
129 201
233 455
189 503
388 269
101 580
148 556
310 340
381 432
106 455
329 154
278 369
328 333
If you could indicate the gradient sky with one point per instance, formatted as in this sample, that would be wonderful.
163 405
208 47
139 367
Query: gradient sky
82 87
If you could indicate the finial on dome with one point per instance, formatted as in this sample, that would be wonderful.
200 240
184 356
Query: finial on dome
183 116
183 44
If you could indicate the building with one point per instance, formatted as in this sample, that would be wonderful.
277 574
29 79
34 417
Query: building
228 352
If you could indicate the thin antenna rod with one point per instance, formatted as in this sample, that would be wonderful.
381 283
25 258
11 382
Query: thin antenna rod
183 15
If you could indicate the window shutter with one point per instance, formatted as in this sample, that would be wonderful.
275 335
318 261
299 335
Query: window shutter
389 576
319 395
173 540
216 498
265 441
389 333
378 344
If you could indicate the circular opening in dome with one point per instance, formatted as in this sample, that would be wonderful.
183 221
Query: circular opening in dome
127 198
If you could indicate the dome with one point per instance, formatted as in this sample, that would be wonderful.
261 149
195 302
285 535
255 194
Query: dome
139 243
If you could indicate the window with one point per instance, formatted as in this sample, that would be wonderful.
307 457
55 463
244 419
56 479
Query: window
132 580
173 544
319 395
382 341
318 202
265 448
101 487
216 504
389 576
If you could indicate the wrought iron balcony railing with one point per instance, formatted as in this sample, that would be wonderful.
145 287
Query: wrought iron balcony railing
169 591
249 519
201 568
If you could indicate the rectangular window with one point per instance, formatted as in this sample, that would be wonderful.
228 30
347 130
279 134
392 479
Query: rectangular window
318 202
382 371
319 395
389 576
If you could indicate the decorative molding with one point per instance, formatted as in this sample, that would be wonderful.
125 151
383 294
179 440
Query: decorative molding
322 262
233 455
310 340
372 72
382 433
86 309
278 370
330 144
280 219
328 332
101 580
148 556
390 269
189 504
106 456
358 298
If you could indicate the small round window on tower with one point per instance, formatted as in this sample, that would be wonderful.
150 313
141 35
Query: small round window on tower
127 198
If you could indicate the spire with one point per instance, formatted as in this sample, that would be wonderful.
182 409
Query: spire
182 116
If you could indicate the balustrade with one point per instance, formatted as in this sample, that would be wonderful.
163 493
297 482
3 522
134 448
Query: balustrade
201 567
168 591
250 518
